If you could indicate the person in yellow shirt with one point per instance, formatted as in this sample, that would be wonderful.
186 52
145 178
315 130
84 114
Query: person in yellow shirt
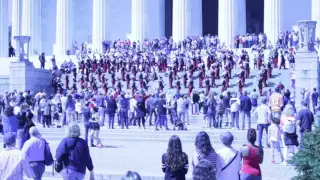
275 103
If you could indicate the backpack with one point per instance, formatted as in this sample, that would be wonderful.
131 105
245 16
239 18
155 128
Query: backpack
141 104
289 125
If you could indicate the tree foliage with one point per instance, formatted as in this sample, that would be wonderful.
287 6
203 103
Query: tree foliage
307 160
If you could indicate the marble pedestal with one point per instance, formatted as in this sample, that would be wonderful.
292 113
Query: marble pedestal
23 76
307 71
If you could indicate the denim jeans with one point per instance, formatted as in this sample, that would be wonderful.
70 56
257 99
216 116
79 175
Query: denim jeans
21 139
38 169
182 116
68 174
86 132
71 117
243 117
162 120
261 127
101 116
152 111
245 176
235 119
111 120
195 108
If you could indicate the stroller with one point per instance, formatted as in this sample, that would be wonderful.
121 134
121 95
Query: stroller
176 121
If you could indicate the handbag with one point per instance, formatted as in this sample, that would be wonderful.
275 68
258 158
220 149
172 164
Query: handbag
65 158
48 159
225 167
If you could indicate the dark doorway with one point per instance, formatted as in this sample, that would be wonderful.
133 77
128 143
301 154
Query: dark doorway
168 18
255 16
210 17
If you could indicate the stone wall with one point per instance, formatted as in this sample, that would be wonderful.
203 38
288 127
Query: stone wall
24 76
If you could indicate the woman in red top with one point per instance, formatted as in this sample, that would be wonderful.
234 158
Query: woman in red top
252 158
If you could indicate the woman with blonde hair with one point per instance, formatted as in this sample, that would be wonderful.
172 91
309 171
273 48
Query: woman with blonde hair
289 135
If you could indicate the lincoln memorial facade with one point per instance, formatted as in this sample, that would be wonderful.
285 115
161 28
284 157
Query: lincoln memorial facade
55 24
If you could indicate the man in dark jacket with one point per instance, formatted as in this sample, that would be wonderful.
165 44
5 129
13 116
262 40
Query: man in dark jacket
245 109
305 119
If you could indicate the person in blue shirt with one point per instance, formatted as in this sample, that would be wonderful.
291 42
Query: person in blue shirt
245 110
124 110
111 110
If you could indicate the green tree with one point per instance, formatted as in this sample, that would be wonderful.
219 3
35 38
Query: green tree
307 160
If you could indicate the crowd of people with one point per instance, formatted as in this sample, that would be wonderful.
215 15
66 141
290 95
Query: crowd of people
91 91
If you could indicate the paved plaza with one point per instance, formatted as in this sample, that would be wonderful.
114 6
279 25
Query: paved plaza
141 150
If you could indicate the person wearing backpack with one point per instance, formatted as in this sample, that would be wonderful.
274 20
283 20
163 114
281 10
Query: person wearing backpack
37 152
289 135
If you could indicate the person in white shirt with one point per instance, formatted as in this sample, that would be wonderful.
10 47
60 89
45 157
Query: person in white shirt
78 107
234 111
229 159
264 115
34 150
63 105
13 163
133 104
181 108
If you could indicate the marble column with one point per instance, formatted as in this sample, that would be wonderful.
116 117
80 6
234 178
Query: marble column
186 19
4 32
99 23
31 24
64 27
16 20
232 20
273 19
137 21
154 19
315 15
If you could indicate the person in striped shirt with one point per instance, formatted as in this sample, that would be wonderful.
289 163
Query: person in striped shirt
276 102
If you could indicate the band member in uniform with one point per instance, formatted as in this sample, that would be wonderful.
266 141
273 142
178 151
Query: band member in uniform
269 67
265 76
190 86
161 84
240 85
224 85
185 79
133 87
128 80
178 86
242 77
260 85
123 69
207 83
201 75
170 79
67 82
113 78
213 77
140 79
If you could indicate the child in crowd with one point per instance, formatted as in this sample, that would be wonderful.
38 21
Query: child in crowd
78 111
274 137
95 127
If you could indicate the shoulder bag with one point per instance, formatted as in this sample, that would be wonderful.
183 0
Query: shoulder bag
65 157
48 159
225 167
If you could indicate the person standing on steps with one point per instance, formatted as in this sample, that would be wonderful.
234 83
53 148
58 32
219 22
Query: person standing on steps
124 110
111 110
245 110
162 112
